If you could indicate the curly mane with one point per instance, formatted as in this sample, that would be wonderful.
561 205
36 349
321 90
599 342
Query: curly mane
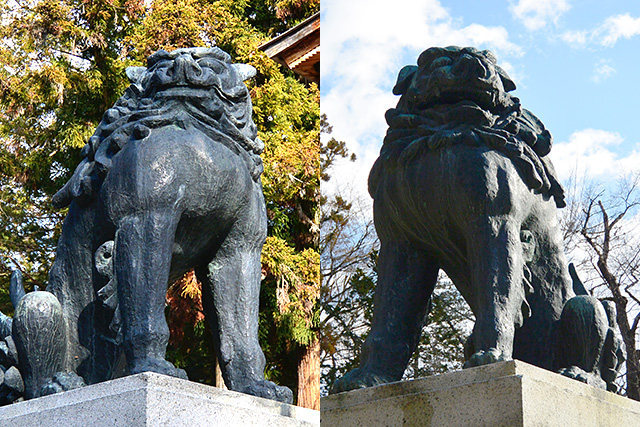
194 86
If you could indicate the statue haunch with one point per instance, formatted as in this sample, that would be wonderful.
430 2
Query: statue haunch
464 184
169 181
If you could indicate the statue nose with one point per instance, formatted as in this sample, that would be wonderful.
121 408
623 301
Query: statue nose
469 66
185 68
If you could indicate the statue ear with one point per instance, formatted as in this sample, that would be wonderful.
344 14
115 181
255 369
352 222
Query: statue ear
404 79
134 73
245 71
507 83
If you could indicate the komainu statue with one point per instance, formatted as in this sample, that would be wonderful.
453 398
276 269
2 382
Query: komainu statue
169 181
463 184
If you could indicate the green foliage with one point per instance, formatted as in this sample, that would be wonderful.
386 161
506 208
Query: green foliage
61 68
195 353
284 13
297 275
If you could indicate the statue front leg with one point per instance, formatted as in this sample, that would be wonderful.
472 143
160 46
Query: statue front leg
142 259
406 279
496 260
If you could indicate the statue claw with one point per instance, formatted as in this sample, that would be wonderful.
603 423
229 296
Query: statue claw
358 378
269 390
482 357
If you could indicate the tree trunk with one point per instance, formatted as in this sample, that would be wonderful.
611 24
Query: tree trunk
633 375
309 377
628 336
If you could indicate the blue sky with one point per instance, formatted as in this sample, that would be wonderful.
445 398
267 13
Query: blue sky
575 63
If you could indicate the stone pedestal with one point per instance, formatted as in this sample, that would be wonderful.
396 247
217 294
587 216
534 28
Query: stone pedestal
150 399
509 394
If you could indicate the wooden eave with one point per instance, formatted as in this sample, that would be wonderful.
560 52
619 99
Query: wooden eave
298 49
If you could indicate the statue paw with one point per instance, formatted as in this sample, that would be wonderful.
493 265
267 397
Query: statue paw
581 375
62 381
159 366
11 386
482 357
269 390
358 378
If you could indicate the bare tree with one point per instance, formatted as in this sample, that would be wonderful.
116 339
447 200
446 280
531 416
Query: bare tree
602 230
348 259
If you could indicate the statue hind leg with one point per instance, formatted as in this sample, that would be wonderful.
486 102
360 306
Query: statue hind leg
73 280
230 296
406 279
142 260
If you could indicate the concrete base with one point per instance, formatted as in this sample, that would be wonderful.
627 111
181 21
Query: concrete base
509 394
150 399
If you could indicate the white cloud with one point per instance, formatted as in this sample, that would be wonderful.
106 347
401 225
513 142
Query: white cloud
606 34
602 70
365 44
616 27
577 38
479 35
591 153
536 14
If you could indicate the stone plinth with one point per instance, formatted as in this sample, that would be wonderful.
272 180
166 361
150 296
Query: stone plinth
509 394
150 399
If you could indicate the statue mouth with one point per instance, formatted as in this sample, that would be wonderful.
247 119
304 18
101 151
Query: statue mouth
183 92
488 100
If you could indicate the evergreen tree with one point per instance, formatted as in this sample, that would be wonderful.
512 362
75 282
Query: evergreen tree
62 67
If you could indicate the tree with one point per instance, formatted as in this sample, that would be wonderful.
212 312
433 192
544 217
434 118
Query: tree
61 69
449 324
602 231
349 257
63 65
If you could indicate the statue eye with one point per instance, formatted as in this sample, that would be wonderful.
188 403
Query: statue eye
443 61
163 63
212 63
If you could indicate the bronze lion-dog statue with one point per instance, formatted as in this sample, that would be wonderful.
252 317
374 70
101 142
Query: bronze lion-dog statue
169 181
463 184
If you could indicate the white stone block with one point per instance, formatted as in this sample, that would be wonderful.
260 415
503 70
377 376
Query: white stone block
509 394
152 400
